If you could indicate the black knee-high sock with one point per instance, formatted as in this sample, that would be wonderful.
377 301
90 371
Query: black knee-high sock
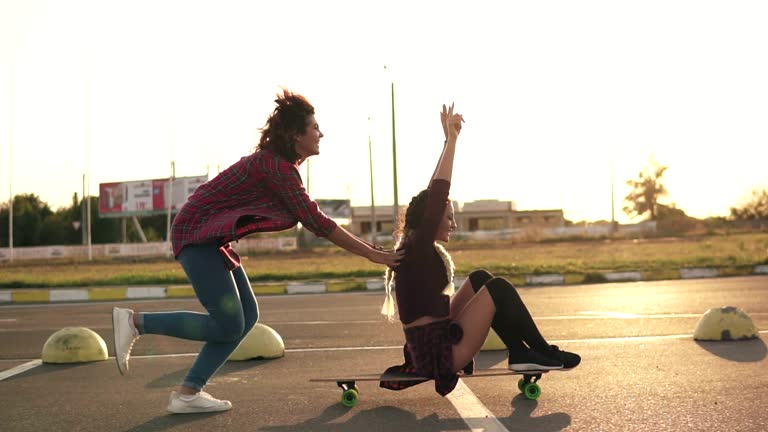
478 278
512 341
512 321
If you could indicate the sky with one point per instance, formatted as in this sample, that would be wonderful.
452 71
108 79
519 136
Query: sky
559 97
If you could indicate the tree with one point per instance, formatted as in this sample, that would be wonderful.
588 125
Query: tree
29 214
646 191
35 224
103 230
58 229
673 221
756 207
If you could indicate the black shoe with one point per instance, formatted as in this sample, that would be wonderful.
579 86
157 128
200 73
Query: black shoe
568 359
530 360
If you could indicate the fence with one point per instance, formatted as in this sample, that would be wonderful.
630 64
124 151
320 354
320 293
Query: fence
135 249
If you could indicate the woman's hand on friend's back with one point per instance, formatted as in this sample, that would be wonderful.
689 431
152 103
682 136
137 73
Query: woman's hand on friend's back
388 258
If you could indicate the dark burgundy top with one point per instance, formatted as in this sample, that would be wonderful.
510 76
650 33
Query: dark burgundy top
421 277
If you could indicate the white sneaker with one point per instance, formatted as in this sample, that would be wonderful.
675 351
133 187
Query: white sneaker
202 402
125 335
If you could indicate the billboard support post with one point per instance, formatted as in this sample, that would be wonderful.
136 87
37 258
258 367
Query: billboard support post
137 225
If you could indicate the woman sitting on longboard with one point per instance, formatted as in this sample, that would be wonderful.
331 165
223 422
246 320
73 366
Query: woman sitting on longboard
443 330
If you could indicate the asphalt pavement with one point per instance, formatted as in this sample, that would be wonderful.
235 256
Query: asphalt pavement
641 369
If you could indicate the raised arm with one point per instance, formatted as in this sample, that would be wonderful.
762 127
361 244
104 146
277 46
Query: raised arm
451 128
441 182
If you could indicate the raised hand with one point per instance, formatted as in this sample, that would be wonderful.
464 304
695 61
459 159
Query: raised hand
451 122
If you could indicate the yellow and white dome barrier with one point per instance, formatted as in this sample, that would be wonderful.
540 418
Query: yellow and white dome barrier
74 345
723 324
493 342
262 342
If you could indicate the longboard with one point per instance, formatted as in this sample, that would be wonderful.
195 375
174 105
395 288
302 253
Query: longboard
351 393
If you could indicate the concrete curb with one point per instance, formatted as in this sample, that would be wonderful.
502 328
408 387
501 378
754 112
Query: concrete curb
59 295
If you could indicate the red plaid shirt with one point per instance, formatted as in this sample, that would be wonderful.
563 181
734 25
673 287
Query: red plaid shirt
261 192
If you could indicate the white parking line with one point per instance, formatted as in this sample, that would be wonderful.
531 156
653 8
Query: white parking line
20 368
472 411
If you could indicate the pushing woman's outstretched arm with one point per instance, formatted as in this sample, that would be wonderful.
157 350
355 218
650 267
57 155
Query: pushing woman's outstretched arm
346 240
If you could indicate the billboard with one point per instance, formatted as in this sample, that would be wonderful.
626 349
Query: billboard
335 208
145 197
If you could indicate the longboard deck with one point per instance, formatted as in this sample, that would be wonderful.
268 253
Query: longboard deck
408 377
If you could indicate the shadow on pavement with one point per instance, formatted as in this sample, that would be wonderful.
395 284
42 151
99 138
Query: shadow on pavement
173 379
47 368
169 380
753 350
390 418
170 421
521 418
393 418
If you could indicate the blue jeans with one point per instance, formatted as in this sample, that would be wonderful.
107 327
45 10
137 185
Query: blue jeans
232 311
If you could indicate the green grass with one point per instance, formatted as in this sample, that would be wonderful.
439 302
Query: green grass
579 260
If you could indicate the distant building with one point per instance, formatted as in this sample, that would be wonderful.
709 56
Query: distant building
361 221
538 219
485 215
481 215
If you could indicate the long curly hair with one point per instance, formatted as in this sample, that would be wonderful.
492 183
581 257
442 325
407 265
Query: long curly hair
289 119
408 222
410 219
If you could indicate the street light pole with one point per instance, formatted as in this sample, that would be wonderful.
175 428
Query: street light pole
83 217
370 167
613 205
170 206
394 154
171 181
88 162
10 167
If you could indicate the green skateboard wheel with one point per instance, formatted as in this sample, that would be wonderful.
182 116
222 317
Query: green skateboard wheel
349 397
532 391
521 385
